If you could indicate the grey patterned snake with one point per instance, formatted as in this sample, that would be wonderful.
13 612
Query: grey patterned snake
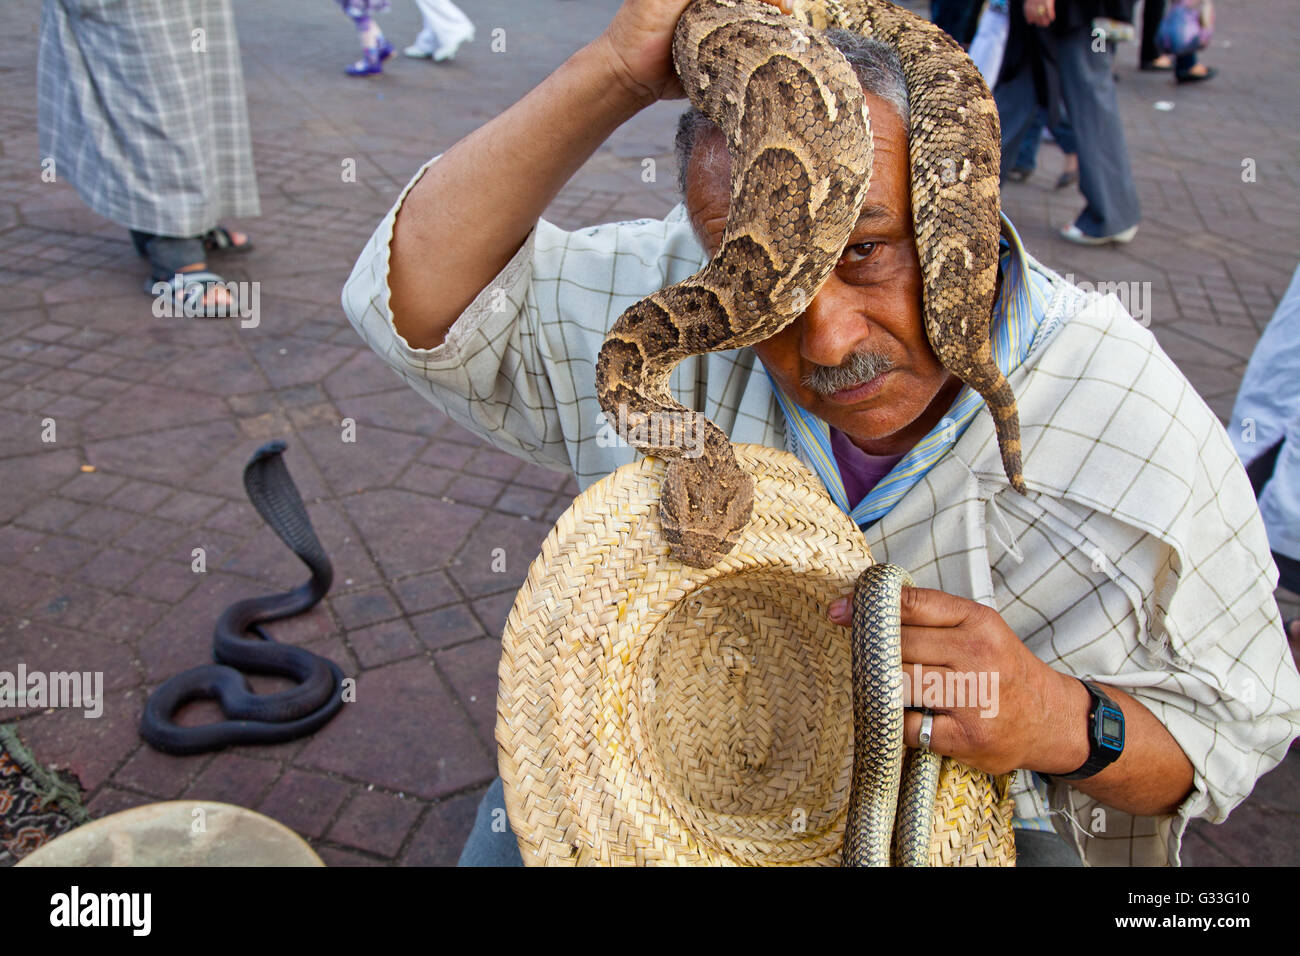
889 793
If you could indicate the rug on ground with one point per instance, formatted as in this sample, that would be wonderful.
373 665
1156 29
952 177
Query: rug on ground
36 804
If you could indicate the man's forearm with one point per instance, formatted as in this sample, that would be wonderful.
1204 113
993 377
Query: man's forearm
1152 777
471 211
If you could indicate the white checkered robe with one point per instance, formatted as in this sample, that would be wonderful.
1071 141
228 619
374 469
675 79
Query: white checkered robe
1138 559
151 132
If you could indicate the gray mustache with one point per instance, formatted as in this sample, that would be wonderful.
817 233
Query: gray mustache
859 368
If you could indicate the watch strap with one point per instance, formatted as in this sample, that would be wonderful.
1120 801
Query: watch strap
1100 756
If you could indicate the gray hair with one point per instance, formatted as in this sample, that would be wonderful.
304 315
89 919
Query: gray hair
876 64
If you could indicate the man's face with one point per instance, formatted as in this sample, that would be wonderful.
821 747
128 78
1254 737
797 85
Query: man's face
858 357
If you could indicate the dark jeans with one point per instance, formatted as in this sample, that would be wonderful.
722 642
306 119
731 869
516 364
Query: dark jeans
1062 132
1087 87
1153 12
958 18
496 846
167 255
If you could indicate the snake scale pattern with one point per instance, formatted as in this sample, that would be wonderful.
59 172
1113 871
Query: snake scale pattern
799 135
881 793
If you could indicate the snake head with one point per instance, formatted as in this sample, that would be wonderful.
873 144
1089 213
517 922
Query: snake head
703 509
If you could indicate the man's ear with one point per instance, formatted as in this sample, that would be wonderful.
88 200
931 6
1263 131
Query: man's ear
698 233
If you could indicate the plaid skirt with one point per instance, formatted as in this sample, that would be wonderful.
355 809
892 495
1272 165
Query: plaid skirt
141 107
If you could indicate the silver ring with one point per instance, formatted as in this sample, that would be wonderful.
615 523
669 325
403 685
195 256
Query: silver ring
927 728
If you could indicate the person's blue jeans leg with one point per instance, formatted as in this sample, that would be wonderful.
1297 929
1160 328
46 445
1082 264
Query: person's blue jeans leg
1183 64
491 841
1027 158
1063 133
957 18
1017 102
1088 89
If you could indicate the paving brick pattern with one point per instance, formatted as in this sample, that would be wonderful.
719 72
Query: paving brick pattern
154 418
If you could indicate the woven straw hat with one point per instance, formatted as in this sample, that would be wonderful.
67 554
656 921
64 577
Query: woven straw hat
650 712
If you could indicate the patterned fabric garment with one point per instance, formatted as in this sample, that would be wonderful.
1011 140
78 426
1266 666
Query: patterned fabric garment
1138 559
141 107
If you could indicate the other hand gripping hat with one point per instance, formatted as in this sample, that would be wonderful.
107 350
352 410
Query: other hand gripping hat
650 712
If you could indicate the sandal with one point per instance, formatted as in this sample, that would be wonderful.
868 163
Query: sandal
372 60
222 239
1209 74
185 293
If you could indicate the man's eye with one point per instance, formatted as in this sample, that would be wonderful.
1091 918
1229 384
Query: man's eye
860 252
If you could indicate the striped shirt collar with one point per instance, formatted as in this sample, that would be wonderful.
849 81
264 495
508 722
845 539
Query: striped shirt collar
1016 319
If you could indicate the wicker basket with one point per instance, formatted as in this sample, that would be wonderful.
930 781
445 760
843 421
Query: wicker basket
650 712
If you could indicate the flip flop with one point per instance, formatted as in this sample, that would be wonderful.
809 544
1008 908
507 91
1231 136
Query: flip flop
220 239
1155 66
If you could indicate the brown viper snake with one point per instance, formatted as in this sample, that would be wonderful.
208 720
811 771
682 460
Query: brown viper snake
798 131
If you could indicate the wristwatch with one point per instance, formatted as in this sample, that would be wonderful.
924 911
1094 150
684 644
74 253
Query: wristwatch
1105 735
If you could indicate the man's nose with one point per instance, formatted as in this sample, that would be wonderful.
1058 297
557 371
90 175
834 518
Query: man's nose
831 328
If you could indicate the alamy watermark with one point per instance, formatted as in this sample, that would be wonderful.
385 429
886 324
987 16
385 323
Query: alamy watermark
24 688
657 430
245 300
75 908
1133 295
945 690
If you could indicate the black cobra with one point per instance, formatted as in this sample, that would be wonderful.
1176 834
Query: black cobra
257 718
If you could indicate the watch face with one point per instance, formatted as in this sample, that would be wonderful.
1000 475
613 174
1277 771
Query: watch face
1112 728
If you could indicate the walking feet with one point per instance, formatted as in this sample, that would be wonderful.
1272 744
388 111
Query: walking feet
195 293
1197 74
1073 233
178 270
447 48
1070 174
372 61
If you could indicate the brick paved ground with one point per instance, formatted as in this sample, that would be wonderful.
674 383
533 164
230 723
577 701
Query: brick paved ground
95 566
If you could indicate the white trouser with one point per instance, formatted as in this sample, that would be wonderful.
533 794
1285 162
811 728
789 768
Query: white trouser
443 21
1268 411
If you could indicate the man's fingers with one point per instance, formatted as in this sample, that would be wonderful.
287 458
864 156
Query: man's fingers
912 730
932 646
926 607
921 607
924 686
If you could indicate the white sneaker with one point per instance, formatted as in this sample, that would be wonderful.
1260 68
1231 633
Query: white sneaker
417 52
1073 233
448 50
